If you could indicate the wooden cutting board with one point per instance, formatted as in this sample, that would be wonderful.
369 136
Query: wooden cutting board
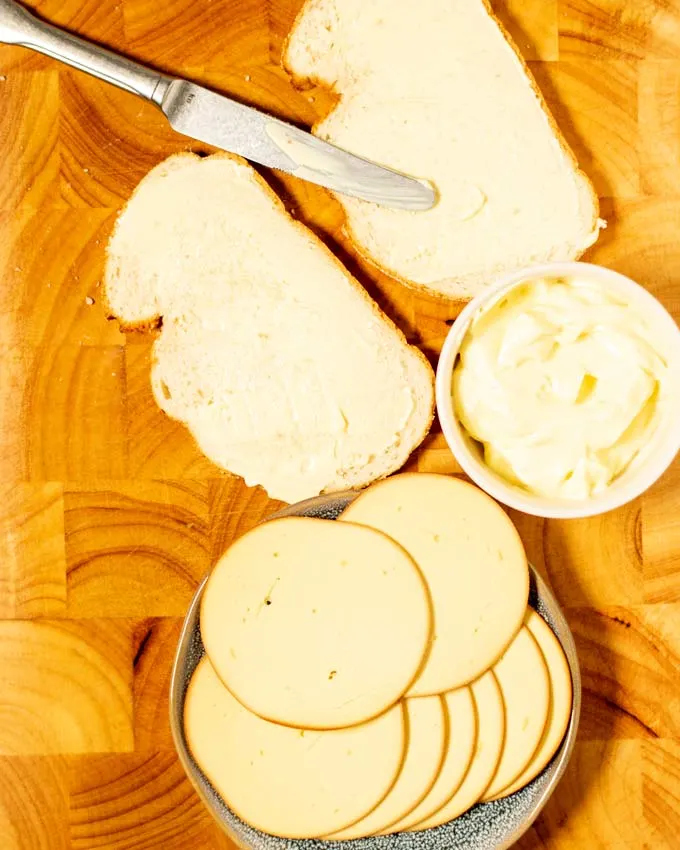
110 515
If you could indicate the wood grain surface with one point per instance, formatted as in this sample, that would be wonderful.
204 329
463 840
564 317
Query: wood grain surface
109 515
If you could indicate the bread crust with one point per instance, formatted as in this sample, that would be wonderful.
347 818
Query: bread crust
422 288
149 323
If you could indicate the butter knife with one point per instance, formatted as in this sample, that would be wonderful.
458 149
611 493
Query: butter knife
195 111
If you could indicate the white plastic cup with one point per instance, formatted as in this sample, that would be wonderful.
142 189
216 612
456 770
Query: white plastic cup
645 469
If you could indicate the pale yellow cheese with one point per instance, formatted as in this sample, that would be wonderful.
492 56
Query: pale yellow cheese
286 781
315 623
523 678
488 748
460 747
473 561
426 723
560 701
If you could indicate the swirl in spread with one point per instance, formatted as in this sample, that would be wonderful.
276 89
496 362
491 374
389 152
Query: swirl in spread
560 381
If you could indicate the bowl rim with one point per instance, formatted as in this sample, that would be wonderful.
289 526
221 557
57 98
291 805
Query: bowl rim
510 495
190 637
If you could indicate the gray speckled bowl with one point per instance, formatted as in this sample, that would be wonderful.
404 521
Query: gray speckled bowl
488 826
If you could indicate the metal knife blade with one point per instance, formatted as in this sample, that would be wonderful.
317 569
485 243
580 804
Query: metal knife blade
220 121
213 118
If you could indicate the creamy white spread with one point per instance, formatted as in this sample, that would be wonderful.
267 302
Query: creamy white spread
278 362
560 381
435 90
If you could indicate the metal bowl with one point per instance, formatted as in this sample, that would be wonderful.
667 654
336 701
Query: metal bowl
487 826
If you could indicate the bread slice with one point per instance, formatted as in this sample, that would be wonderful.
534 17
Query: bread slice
270 351
438 90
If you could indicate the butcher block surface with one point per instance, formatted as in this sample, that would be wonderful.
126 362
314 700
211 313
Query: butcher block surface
109 515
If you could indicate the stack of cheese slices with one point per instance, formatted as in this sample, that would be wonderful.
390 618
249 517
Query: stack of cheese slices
376 674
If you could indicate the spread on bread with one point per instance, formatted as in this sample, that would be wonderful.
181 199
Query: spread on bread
437 90
306 715
561 382
280 364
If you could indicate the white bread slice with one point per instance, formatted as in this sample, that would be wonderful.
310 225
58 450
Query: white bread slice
438 90
270 351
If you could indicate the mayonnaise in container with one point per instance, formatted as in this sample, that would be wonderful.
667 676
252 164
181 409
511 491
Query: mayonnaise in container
562 382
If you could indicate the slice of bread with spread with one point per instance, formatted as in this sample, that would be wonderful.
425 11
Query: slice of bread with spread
438 90
284 369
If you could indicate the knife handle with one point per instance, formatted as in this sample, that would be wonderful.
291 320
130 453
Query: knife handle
19 26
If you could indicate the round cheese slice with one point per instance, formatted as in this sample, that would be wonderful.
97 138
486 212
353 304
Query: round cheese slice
490 734
426 724
523 678
560 701
473 561
285 781
462 723
314 623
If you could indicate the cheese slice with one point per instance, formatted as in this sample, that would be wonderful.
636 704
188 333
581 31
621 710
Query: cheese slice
488 748
460 708
426 723
314 623
560 701
286 781
523 678
473 561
